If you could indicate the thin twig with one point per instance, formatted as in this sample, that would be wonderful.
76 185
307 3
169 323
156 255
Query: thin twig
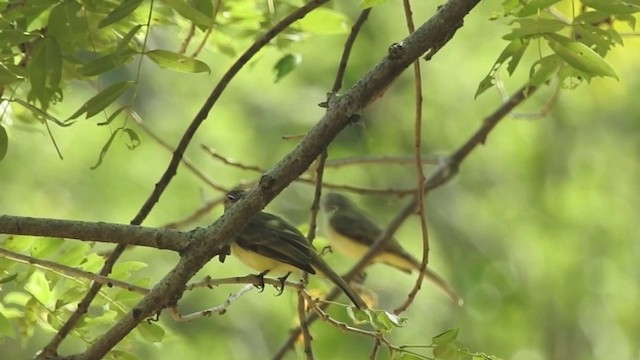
384 159
71 272
348 45
439 177
219 310
187 39
185 160
194 216
336 187
209 242
375 349
51 348
302 316
419 171
207 33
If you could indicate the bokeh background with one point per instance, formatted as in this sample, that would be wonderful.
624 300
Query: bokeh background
537 231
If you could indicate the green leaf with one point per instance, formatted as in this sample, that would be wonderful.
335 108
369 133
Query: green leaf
515 50
446 337
105 148
286 64
360 316
385 321
9 278
150 332
188 12
534 28
4 142
535 7
133 137
445 352
542 69
324 21
45 71
629 19
122 270
123 44
125 8
73 254
103 99
113 116
365 4
612 7
5 327
105 63
45 247
580 56
178 62
38 287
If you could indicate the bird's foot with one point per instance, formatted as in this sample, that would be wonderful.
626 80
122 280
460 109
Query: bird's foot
280 287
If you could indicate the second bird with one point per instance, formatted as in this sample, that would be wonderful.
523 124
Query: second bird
351 232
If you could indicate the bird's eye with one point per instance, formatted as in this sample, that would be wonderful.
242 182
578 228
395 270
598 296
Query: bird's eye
231 197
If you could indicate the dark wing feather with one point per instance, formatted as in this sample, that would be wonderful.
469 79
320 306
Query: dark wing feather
270 236
362 229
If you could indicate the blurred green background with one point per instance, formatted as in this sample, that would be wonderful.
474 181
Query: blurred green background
536 232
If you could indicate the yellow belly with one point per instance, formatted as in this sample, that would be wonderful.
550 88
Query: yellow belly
354 249
261 263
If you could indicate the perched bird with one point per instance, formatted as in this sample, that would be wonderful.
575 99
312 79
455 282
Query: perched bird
351 232
269 244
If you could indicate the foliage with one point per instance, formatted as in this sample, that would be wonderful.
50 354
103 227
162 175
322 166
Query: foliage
48 47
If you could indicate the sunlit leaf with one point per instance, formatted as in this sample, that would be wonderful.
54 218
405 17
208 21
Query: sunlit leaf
189 12
535 7
364 4
5 327
45 247
445 352
38 287
171 60
580 56
532 27
612 7
150 332
125 8
446 337
325 22
542 69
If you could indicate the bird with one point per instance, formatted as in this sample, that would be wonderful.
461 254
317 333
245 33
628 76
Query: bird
269 244
351 232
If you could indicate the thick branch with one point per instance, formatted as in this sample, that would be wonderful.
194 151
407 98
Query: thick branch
341 112
165 239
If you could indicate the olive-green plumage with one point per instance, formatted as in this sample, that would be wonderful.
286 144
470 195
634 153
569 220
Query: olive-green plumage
270 244
351 232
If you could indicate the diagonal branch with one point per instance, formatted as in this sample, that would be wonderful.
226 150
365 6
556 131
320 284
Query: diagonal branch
342 110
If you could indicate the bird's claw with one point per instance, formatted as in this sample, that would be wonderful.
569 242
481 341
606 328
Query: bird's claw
280 287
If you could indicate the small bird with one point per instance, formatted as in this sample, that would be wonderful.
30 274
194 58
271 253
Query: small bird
269 244
351 232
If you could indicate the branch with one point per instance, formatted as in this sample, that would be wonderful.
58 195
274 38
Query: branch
164 239
342 110
440 176
71 272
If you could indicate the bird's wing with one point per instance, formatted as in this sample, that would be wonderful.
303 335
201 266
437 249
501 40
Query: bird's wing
363 230
270 236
